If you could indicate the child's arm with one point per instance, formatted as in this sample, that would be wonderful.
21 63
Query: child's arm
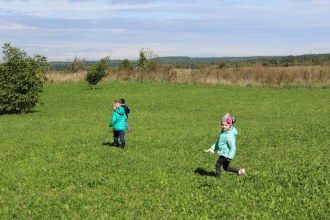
113 119
128 110
211 149
232 146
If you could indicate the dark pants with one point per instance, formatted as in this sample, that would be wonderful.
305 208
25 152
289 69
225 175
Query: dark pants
222 161
120 134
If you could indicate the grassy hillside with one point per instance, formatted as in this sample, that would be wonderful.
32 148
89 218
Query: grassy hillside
54 166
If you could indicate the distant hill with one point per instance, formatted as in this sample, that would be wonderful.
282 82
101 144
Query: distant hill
251 59
186 62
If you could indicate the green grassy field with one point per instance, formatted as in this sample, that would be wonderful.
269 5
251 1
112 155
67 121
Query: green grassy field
54 166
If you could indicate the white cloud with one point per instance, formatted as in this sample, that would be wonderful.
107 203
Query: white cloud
14 27
92 28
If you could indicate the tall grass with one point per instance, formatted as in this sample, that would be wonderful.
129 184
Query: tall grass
251 76
62 77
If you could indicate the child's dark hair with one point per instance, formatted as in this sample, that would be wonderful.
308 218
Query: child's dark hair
122 101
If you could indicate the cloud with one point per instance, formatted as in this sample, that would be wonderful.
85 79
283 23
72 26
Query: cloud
173 27
14 27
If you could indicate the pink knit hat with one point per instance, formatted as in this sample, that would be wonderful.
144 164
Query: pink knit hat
228 119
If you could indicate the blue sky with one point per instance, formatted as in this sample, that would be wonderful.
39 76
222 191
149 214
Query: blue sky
92 29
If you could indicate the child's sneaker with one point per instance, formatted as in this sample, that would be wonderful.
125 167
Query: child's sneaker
241 171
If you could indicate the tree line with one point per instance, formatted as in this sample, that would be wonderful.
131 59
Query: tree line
200 62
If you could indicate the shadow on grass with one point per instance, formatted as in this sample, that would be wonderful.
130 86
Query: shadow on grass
91 89
28 112
203 172
109 144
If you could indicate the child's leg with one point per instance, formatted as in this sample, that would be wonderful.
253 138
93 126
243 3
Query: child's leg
115 137
228 168
122 138
219 164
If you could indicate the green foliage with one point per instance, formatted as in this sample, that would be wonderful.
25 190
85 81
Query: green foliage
125 65
63 171
21 80
148 60
77 65
97 71
143 61
222 65
202 62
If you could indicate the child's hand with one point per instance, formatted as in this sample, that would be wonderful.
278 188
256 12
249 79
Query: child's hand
210 150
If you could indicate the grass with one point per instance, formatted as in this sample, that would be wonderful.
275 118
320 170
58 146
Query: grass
255 75
54 166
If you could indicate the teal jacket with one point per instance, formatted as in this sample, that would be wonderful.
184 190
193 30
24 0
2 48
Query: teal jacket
226 143
118 119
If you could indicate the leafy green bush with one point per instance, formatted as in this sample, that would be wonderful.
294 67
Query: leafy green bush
97 71
77 65
21 80
148 60
125 65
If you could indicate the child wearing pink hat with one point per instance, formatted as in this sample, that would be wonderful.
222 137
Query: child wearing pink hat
226 146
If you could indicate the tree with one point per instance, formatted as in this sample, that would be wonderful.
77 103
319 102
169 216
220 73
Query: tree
21 80
125 65
143 60
97 71
148 60
77 65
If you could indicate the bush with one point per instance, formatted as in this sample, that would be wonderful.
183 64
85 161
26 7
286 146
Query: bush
21 80
77 65
125 65
97 71
148 61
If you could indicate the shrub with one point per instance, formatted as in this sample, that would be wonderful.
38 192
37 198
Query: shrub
21 80
148 61
77 65
97 71
125 65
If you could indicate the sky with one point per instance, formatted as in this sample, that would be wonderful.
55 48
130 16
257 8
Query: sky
91 29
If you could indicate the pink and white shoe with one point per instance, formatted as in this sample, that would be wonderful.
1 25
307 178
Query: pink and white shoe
241 171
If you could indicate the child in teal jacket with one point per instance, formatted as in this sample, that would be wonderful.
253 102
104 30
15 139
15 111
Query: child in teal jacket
118 122
226 146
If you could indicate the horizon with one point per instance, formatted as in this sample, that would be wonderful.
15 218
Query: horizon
91 29
225 57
